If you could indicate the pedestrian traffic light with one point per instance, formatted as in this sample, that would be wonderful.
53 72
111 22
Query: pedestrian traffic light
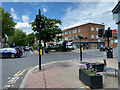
100 33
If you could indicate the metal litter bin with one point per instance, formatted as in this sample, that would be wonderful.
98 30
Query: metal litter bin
110 53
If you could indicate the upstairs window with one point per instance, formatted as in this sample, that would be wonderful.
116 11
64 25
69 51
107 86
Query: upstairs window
92 28
66 33
69 32
97 29
79 30
74 31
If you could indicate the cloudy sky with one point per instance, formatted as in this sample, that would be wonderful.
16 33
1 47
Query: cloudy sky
70 13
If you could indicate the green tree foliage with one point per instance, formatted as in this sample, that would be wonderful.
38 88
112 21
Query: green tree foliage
7 23
19 38
51 29
30 38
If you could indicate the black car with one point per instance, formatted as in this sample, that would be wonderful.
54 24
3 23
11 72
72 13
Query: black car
104 48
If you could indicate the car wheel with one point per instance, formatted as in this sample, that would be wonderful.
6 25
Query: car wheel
12 55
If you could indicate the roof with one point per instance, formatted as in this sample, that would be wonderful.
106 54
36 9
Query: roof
117 8
83 25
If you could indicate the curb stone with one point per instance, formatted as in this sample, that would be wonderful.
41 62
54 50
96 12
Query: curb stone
22 85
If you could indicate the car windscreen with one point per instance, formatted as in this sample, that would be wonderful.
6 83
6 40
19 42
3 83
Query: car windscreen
4 49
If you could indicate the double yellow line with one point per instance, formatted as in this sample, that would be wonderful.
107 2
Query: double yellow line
19 73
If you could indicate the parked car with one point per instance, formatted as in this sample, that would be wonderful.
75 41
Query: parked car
10 52
104 48
27 48
70 46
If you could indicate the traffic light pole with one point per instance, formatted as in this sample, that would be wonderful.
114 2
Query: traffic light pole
80 51
108 37
39 49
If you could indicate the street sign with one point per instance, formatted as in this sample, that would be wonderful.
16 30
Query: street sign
13 44
114 31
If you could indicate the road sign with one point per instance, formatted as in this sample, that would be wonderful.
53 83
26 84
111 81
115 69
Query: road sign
13 44
114 31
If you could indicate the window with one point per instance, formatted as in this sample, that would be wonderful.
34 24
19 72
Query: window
79 30
66 33
97 29
69 37
66 38
74 37
69 32
62 33
97 36
74 31
92 35
92 28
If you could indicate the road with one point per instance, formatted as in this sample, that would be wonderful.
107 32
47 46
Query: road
12 66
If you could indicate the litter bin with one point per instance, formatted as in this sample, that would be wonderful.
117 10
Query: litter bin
110 53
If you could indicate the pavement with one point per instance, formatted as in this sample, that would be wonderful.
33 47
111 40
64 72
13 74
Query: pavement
65 74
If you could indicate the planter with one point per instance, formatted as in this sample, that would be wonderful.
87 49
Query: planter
98 67
93 82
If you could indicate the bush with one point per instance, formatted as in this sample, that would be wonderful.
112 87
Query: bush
36 48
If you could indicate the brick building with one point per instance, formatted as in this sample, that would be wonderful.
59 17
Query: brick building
89 32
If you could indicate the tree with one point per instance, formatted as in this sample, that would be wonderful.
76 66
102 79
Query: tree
19 38
7 23
51 29
30 39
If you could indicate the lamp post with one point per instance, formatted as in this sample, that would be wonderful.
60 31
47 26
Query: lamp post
80 37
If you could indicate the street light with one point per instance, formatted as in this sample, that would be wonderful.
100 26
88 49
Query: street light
80 37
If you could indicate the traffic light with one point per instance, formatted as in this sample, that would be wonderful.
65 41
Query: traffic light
110 33
100 33
38 19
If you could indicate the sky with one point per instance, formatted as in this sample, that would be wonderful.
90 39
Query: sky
70 13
